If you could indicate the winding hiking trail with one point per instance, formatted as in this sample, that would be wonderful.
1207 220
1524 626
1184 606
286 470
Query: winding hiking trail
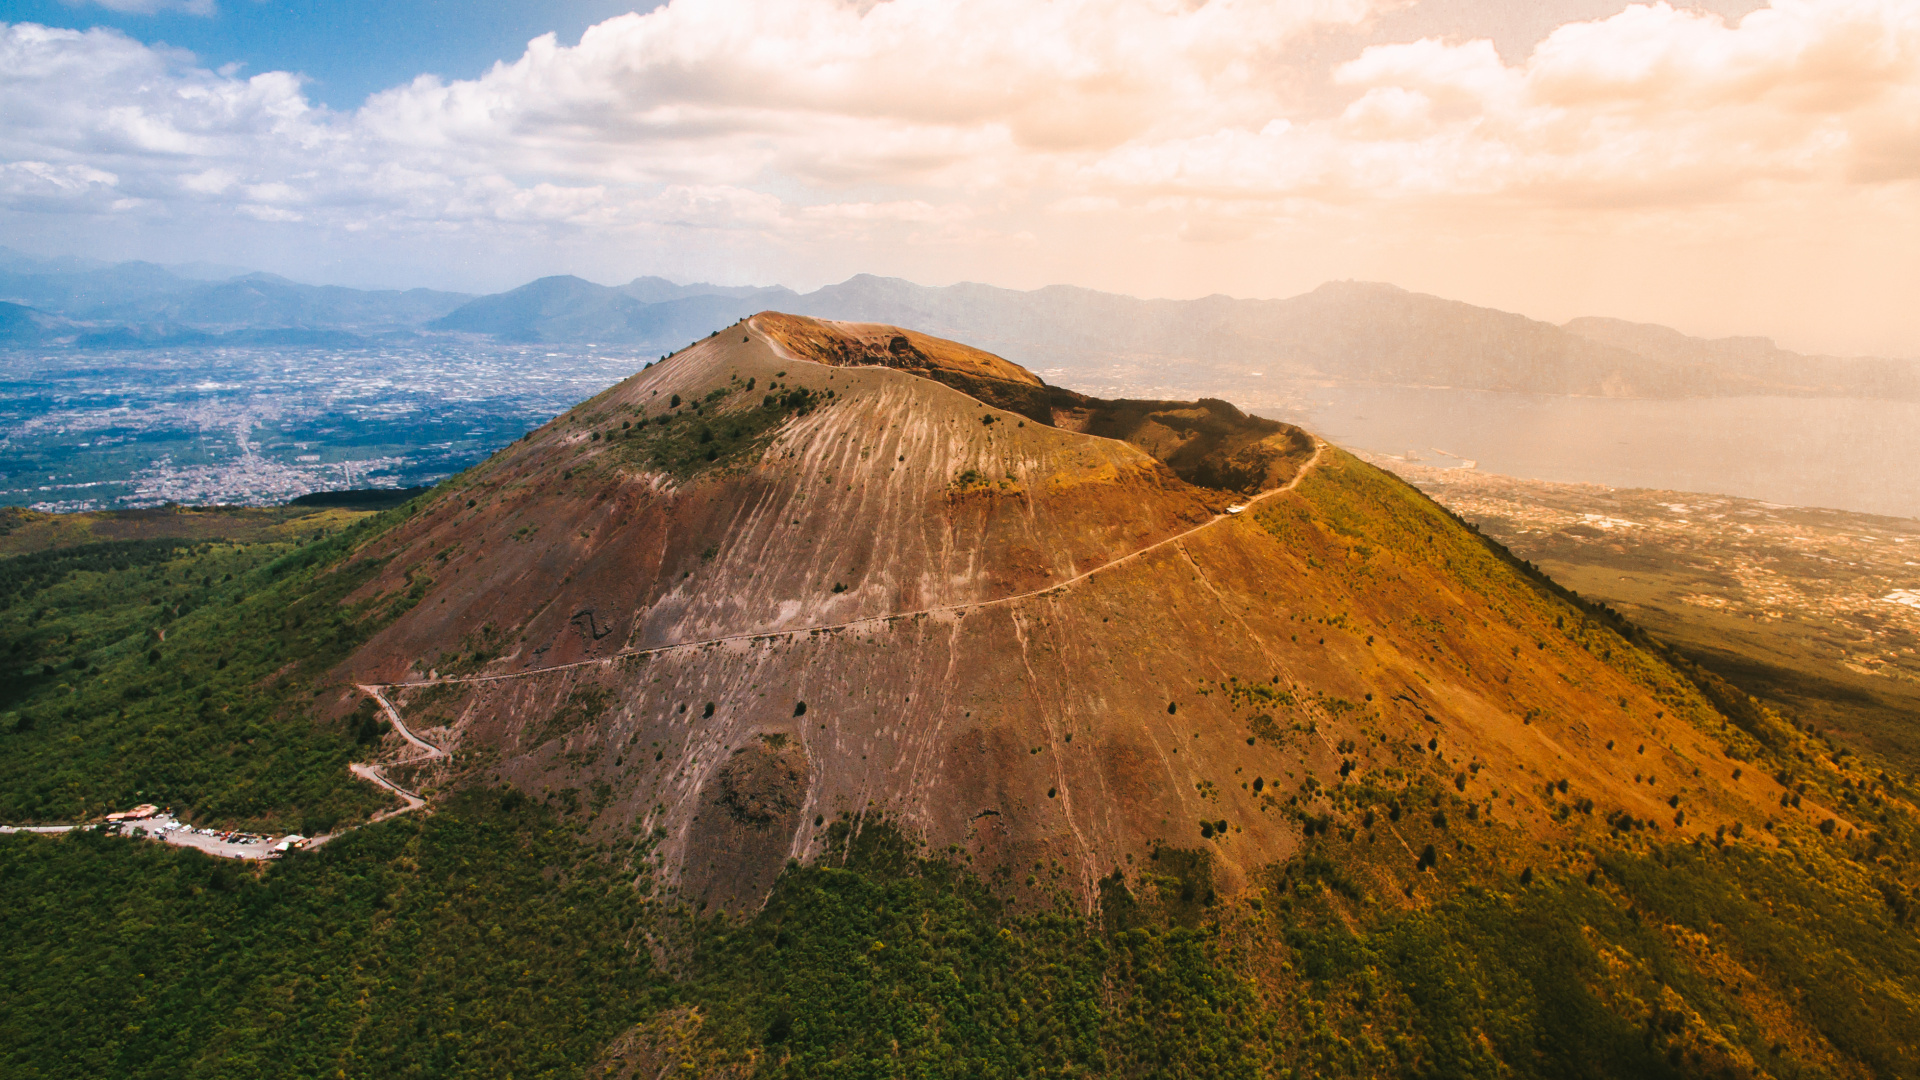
429 752
944 609
376 774
166 828
1319 448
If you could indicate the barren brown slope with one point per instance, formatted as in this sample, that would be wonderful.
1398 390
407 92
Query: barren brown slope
833 494
1339 654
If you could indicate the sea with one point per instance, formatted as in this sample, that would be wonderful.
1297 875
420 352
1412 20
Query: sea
1840 453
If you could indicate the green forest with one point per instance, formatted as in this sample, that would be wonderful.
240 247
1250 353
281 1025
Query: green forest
178 672
486 940
494 937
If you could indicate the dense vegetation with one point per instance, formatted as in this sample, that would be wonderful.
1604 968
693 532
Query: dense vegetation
486 940
26 574
181 673
431 946
24 531
895 965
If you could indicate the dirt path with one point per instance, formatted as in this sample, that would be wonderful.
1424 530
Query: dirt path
376 773
165 828
945 609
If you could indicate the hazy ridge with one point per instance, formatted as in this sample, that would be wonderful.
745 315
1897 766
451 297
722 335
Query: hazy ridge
1343 332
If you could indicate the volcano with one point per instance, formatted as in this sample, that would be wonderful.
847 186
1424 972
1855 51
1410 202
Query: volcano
803 576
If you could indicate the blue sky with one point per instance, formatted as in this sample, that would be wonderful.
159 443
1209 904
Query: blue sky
346 48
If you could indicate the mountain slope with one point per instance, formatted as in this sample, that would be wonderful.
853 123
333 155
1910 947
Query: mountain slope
552 308
265 301
873 594
647 311
1079 771
1360 332
81 293
145 293
655 290
1380 334
1348 332
1765 365
22 325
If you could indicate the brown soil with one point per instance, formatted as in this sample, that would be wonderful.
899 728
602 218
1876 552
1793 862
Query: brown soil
898 566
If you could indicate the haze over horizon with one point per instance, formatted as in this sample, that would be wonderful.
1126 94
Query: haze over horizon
1725 169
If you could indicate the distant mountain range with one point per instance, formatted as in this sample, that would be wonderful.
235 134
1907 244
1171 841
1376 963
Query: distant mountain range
1345 332
648 311
161 304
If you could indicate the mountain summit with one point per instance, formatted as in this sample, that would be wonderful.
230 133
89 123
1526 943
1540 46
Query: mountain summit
807 574
831 699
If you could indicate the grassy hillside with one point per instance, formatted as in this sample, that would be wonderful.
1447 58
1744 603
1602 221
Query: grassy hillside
1665 962
23 531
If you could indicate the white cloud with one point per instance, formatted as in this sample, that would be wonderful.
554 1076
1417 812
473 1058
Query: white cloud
836 92
1005 124
99 96
268 213
1668 106
38 177
211 182
1126 99
812 98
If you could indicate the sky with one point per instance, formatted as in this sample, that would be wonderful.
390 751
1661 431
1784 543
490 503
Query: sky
1729 167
